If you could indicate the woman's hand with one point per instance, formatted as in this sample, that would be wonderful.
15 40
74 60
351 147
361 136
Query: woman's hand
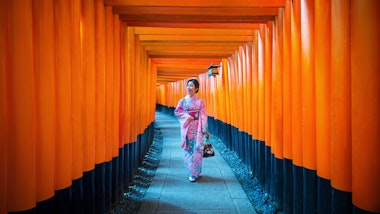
190 119
207 135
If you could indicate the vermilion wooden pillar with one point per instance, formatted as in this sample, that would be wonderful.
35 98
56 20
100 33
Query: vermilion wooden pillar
129 83
20 98
77 96
117 100
277 108
308 84
77 107
322 81
63 126
277 88
296 106
268 81
296 83
341 161
248 89
287 111
227 90
322 102
100 84
44 58
100 105
365 100
3 113
308 105
260 84
109 82
287 93
111 94
88 69
254 93
117 85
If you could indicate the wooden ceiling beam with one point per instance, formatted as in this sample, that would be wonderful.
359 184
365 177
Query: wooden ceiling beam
193 52
182 38
193 31
193 61
191 48
205 11
197 3
195 43
188 65
191 38
196 18
180 56
175 73
208 25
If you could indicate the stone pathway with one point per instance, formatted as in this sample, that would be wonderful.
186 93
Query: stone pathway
217 191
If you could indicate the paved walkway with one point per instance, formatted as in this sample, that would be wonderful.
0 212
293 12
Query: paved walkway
217 191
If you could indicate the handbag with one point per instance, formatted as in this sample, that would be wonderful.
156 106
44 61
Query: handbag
208 150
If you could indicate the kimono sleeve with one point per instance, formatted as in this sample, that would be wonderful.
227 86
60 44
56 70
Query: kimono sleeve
181 113
204 117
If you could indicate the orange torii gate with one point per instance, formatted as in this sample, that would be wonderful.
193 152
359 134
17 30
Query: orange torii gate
296 96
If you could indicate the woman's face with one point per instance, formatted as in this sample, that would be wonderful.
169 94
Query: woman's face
191 88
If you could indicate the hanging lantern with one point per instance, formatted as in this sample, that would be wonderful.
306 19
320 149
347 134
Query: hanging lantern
213 70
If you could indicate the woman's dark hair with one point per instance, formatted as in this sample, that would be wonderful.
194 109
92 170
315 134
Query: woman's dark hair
195 82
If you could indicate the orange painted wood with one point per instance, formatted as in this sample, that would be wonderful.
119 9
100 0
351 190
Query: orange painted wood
44 57
209 25
192 53
268 81
341 96
287 85
129 83
196 61
88 68
137 91
308 84
277 87
296 83
20 78
248 89
121 68
191 48
100 82
193 31
323 86
226 90
179 18
77 96
245 88
63 137
198 3
204 11
365 102
190 38
109 82
261 84
117 86
220 91
234 91
255 90
239 90
3 114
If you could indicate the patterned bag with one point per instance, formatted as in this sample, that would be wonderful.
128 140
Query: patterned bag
208 150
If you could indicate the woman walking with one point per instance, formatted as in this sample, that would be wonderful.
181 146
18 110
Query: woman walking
191 113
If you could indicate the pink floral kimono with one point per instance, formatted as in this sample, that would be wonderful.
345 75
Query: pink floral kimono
192 132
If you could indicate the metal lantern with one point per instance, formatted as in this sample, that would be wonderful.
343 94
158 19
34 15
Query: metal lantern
213 70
